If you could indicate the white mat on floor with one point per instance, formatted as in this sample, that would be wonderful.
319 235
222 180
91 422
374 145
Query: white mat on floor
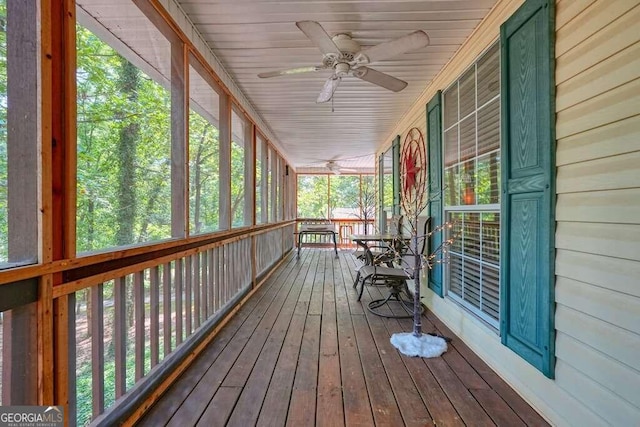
423 346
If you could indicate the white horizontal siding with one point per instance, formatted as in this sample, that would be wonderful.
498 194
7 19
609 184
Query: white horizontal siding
595 396
617 104
615 206
622 137
617 308
616 274
616 71
607 338
608 173
598 207
601 368
616 35
614 240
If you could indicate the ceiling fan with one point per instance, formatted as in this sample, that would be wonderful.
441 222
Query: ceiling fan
344 56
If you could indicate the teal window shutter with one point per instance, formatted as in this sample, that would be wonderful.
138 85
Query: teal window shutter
434 137
381 219
396 175
528 192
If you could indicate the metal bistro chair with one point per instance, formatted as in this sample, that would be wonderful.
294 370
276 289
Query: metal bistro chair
376 254
394 278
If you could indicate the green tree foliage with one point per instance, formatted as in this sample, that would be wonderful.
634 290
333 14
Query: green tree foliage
344 195
313 196
204 178
237 184
259 195
123 166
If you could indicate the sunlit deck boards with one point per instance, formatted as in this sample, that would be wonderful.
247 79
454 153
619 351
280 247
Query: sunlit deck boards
304 352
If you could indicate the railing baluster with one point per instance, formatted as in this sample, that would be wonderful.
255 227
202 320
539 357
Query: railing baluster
166 307
196 291
178 277
120 334
238 270
218 282
204 266
97 349
224 282
211 283
154 308
187 294
138 301
226 258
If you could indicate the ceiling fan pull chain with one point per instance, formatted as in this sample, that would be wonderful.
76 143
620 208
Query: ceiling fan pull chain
332 110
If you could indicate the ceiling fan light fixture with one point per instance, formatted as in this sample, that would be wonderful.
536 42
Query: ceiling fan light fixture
361 59
333 167
342 68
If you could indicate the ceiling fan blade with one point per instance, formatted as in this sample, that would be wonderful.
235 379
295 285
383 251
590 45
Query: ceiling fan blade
328 89
318 36
298 70
394 47
381 79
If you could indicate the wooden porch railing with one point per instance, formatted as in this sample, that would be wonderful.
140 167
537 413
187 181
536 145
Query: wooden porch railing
129 329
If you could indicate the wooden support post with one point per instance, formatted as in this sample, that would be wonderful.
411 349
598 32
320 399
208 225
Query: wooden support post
224 170
249 173
179 138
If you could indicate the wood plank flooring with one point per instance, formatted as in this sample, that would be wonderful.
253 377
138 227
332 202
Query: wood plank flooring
303 352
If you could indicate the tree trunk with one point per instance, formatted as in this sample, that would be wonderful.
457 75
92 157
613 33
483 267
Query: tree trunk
129 133
197 181
91 204
87 295
128 83
146 218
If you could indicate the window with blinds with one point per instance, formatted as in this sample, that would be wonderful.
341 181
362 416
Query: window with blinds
471 186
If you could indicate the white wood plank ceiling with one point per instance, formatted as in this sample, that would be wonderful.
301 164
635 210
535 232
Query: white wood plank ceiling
253 36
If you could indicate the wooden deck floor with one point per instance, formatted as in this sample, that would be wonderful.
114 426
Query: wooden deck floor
304 352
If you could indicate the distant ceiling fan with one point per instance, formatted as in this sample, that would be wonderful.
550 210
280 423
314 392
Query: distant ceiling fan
345 57
334 167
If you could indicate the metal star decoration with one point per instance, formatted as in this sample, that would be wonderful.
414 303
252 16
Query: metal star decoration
413 171
411 168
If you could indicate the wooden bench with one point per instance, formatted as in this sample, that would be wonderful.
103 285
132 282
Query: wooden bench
317 227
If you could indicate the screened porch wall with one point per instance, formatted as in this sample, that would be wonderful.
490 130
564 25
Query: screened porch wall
111 317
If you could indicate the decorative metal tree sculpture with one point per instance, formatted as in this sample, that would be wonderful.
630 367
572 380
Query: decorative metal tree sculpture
413 173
